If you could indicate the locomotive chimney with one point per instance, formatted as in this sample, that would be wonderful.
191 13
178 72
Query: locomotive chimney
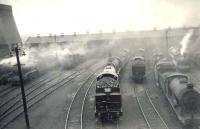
190 86
109 55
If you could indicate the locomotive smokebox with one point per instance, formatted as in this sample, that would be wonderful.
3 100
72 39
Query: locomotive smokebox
190 86
190 100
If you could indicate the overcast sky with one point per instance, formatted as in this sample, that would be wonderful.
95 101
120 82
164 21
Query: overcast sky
68 16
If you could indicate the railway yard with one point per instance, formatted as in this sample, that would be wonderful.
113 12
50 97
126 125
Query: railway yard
119 80
65 99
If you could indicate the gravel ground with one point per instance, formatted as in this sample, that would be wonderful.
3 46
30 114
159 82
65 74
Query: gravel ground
132 117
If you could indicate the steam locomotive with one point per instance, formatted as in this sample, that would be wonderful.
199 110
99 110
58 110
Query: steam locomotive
138 68
108 101
9 75
181 94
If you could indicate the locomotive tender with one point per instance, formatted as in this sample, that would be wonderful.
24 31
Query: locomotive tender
138 68
180 93
108 101
163 66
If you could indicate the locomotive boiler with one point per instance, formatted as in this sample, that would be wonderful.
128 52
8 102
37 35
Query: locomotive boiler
108 101
182 96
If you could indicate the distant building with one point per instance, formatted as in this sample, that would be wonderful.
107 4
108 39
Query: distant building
91 40
65 39
48 40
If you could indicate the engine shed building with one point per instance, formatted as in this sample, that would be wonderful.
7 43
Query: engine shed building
156 37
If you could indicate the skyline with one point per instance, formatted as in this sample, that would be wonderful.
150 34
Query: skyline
65 16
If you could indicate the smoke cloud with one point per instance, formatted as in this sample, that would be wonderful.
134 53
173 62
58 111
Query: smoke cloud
46 57
185 41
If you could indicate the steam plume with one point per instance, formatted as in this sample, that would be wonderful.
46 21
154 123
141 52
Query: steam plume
185 41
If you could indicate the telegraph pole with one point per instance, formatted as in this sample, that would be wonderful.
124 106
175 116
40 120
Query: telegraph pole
22 87
167 43
55 38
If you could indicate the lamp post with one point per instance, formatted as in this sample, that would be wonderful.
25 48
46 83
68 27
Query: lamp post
16 49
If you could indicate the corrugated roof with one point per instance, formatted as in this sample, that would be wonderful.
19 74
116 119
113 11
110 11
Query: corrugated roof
8 30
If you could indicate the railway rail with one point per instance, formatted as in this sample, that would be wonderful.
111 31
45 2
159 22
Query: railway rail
74 117
101 125
10 89
35 97
5 91
17 96
3 88
152 117
7 102
13 113
43 78
31 94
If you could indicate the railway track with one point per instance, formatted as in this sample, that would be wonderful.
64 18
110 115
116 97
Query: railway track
111 126
7 91
10 89
3 88
36 96
31 93
16 110
75 112
101 125
8 102
15 92
150 113
13 98
43 78
74 117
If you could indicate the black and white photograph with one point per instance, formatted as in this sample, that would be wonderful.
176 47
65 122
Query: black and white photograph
99 64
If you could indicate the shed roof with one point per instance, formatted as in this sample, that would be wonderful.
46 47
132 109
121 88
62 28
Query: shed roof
106 36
